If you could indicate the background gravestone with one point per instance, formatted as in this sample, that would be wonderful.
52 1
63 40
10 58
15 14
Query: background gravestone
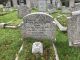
39 26
42 5
51 8
74 30
23 10
77 6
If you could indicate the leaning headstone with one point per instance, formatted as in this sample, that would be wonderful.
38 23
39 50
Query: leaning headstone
42 5
39 26
23 10
74 29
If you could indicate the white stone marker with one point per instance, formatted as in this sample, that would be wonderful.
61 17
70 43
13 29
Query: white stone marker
37 47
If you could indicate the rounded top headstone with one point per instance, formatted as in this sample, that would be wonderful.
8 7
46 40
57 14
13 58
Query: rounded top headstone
38 25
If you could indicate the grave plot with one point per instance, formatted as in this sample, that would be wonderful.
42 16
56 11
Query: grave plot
10 42
26 54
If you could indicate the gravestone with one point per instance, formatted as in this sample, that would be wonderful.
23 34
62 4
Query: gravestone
37 48
74 30
65 9
77 6
34 3
39 26
58 4
8 6
51 8
42 5
15 4
23 10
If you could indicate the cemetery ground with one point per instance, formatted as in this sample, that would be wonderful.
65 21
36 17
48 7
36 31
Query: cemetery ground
10 41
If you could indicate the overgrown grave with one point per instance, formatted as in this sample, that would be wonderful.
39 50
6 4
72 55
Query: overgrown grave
38 27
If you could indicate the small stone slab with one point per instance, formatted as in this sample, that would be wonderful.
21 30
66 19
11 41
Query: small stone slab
37 47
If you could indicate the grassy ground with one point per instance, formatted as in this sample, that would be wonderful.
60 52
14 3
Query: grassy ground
10 41
11 17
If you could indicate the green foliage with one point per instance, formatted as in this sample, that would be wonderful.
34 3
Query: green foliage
10 43
11 17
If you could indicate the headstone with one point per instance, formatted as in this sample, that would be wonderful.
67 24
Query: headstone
74 30
15 3
51 8
8 6
1 8
42 5
77 6
58 4
23 10
34 3
37 48
65 9
39 26
28 3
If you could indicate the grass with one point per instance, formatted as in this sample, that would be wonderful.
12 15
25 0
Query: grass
10 42
11 17
62 19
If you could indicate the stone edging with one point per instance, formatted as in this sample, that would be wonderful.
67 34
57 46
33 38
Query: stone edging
21 48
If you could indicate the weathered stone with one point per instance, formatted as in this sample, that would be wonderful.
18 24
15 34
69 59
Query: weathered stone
65 9
42 5
38 25
74 30
51 8
77 7
37 47
23 10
